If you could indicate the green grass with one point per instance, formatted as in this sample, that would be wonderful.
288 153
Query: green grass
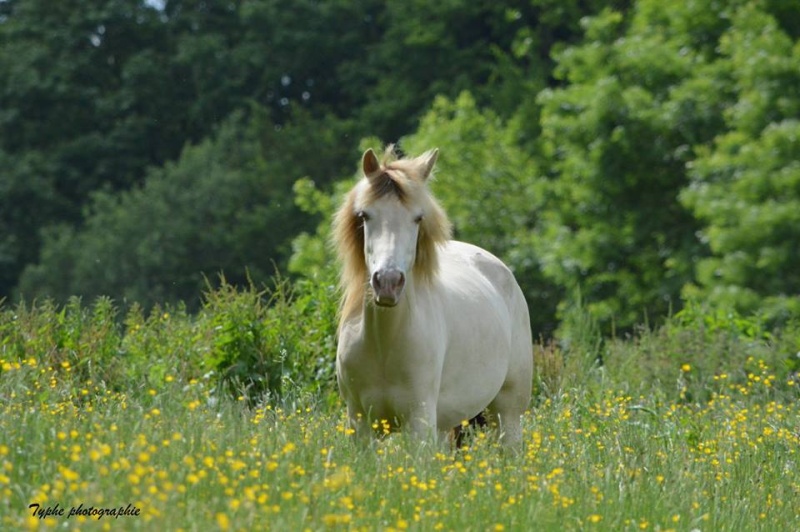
602 460
684 428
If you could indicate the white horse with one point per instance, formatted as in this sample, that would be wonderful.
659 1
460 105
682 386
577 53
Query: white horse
432 331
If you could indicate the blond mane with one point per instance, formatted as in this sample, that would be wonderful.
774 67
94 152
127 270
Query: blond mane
406 180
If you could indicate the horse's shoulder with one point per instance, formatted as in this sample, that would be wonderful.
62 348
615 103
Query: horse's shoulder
478 258
473 259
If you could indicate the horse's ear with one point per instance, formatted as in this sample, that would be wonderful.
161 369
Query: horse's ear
369 163
427 162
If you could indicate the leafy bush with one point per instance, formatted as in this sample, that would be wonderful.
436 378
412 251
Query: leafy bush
702 353
80 343
245 351
255 343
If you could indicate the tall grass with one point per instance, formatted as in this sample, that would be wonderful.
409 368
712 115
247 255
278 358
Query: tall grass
689 427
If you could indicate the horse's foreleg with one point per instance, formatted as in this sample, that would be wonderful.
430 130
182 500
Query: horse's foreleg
422 421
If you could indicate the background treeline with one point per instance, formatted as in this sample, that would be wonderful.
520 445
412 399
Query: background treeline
623 157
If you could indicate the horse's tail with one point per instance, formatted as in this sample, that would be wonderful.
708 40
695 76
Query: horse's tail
459 434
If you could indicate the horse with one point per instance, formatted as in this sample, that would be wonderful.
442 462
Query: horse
432 331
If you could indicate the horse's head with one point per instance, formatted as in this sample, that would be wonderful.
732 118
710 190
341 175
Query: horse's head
390 212
389 226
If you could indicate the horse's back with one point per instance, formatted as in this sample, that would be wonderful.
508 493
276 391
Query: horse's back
484 262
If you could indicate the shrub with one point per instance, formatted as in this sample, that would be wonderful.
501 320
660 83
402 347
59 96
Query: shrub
80 343
260 344
270 342
702 353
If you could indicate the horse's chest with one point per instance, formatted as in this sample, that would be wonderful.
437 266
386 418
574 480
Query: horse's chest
376 375
389 381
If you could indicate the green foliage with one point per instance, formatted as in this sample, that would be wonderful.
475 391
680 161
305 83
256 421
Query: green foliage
746 185
650 101
620 156
98 95
245 352
434 48
611 225
312 256
274 343
225 206
262 345
26 180
87 104
310 325
80 343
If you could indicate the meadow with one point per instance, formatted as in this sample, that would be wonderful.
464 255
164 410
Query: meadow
128 424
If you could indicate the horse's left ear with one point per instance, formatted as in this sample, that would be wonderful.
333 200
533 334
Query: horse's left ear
427 162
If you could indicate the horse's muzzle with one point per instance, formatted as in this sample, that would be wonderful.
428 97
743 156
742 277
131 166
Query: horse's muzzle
388 287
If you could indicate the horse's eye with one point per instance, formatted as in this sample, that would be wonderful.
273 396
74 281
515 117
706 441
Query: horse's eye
418 218
361 215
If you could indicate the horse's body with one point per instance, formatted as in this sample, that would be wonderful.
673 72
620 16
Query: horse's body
443 332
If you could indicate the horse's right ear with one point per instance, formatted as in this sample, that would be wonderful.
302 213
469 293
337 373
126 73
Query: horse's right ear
369 163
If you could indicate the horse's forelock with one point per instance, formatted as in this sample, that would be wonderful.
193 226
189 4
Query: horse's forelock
385 184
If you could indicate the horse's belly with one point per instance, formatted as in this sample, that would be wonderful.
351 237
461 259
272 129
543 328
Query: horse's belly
463 396
480 338
475 367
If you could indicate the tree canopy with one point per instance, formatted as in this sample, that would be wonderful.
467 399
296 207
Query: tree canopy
621 157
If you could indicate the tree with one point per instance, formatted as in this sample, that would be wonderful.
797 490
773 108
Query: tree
224 206
95 93
71 120
616 139
745 186
675 121
498 51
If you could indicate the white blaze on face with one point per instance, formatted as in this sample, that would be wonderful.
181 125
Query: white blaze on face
390 244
